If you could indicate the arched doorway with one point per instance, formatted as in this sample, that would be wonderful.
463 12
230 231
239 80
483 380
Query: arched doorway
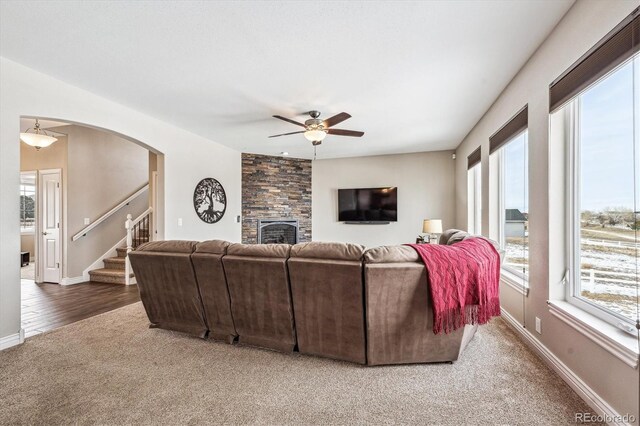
83 188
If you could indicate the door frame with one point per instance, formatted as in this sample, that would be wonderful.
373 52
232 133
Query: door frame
38 228
153 203
35 221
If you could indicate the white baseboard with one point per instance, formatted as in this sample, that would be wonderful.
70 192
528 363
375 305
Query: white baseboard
98 263
74 280
599 405
12 340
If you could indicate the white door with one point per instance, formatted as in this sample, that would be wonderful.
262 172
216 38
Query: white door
50 250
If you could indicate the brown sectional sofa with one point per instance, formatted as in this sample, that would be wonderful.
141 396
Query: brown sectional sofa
333 300
209 270
168 286
399 313
327 287
258 283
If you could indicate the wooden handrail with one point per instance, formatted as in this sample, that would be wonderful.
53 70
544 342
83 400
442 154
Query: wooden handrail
129 225
135 221
105 216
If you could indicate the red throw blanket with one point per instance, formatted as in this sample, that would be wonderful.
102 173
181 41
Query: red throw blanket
464 280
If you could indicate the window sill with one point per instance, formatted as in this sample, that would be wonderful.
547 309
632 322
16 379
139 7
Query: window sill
515 282
618 343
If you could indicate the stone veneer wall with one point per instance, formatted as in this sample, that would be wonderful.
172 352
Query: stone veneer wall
275 187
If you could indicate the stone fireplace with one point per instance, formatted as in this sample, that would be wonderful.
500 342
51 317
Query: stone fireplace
277 191
277 231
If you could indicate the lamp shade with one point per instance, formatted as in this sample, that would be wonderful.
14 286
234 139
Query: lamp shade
315 135
37 140
432 226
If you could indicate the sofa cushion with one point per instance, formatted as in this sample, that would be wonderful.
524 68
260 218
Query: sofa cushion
259 250
446 236
391 254
213 247
327 250
459 236
172 246
452 236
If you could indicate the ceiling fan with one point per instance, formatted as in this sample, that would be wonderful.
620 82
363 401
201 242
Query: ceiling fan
316 129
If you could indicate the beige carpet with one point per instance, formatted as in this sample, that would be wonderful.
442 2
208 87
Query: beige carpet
112 369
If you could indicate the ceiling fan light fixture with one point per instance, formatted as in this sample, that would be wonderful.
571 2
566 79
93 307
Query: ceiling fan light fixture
315 135
38 138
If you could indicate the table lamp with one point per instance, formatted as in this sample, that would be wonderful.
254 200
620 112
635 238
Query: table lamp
430 227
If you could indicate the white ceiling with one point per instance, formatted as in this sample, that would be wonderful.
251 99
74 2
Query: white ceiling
415 76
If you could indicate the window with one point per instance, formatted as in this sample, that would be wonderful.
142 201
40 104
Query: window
598 99
27 202
604 189
509 198
513 202
474 193
475 200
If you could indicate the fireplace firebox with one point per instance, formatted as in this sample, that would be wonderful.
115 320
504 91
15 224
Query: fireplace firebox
277 231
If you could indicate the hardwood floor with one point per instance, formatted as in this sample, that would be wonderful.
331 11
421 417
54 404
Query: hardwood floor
48 306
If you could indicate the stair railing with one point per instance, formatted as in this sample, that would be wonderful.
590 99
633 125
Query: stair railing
138 232
108 214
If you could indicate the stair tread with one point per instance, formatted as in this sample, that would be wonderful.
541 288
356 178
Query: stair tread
115 263
109 272
122 251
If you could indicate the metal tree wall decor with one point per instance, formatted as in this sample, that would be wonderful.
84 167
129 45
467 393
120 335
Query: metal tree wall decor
209 200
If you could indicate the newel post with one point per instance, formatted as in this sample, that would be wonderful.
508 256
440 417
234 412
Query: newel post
128 225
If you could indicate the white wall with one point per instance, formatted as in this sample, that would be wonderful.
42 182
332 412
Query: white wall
583 26
103 169
187 159
425 183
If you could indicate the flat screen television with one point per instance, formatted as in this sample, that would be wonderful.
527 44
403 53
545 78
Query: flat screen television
368 205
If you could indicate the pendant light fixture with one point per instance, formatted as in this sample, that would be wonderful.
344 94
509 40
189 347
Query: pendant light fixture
37 138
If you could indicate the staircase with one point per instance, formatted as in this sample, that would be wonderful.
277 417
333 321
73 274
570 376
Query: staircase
115 268
113 271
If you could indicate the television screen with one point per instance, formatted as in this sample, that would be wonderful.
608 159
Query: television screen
368 205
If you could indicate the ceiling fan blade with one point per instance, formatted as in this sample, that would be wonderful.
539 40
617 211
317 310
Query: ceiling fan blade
285 134
338 118
341 132
289 120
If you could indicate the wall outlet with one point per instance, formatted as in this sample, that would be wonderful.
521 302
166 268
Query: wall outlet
179 221
538 325
87 221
